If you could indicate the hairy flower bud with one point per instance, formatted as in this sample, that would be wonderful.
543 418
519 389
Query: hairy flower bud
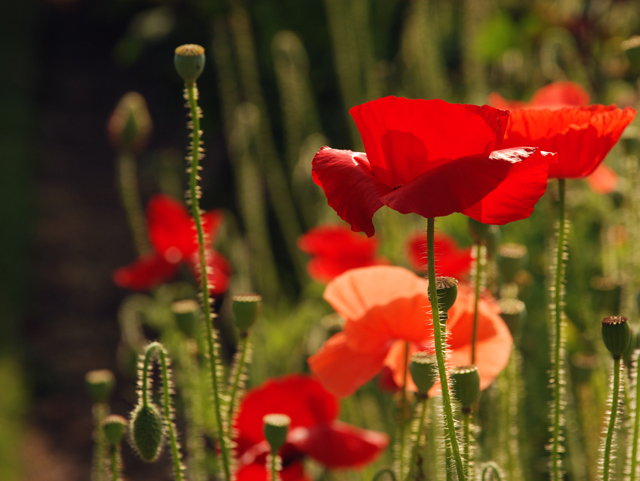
100 384
147 432
424 370
246 309
465 381
616 334
187 315
130 123
189 61
113 427
276 427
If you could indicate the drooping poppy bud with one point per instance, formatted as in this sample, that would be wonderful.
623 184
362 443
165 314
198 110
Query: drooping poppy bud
130 124
113 427
447 291
147 432
189 61
616 334
512 258
276 427
514 313
465 381
187 314
424 371
246 309
100 384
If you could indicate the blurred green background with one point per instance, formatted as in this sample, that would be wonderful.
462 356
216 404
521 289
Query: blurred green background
280 78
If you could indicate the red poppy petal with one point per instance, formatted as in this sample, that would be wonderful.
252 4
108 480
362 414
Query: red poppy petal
259 472
170 228
560 94
495 118
302 398
339 445
350 188
515 197
450 259
603 180
145 273
456 185
498 101
218 271
211 222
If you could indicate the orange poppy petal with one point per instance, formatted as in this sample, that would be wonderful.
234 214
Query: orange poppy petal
395 362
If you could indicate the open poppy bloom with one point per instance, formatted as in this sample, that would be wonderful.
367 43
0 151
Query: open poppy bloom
451 260
173 236
314 431
336 249
556 95
384 308
431 158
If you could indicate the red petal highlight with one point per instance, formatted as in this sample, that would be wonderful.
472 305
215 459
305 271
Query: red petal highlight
350 188
451 260
339 445
145 273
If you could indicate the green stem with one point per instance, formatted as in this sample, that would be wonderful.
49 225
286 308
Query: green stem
557 337
403 407
492 467
100 411
421 427
636 421
480 253
239 369
274 467
193 198
382 472
466 419
608 443
128 181
115 463
440 352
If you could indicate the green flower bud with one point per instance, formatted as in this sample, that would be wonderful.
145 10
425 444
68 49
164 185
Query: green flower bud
100 384
616 334
113 427
187 314
511 259
246 309
424 370
189 61
147 432
130 124
477 230
276 427
513 313
465 381
447 291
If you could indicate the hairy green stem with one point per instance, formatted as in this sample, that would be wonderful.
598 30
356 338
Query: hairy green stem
115 463
128 182
239 369
100 411
608 443
401 420
440 347
421 426
480 253
384 471
636 421
466 419
193 198
491 467
558 306
274 467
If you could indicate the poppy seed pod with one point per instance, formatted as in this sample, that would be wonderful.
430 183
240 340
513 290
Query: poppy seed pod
246 309
187 313
513 312
424 371
276 427
478 231
189 61
100 384
511 260
147 432
616 334
130 124
113 427
465 381
447 291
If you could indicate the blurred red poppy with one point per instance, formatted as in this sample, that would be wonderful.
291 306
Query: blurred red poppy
451 260
553 96
603 180
386 308
172 234
431 158
314 431
336 249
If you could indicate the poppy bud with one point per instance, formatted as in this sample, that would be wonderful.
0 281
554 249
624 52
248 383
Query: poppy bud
477 230
113 427
147 432
130 124
100 384
616 334
465 381
423 370
189 62
246 309
187 314
447 291
276 427
513 313
511 260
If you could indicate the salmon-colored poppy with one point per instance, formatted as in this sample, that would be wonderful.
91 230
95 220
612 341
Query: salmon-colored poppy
336 249
603 180
451 260
314 430
173 236
556 95
387 307
431 158
582 136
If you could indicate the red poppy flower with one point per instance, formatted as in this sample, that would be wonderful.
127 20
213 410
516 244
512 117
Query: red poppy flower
582 136
431 158
173 236
314 430
337 249
553 96
603 180
387 307
451 260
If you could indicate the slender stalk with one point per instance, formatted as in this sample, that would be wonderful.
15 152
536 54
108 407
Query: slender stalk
480 261
168 416
633 467
558 317
100 411
245 347
401 420
128 182
608 443
441 353
421 426
115 463
491 468
193 198
273 462
382 472
466 419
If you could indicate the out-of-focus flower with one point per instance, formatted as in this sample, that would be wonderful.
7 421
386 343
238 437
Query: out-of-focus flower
451 260
336 249
431 158
603 180
314 430
556 95
173 235
386 308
